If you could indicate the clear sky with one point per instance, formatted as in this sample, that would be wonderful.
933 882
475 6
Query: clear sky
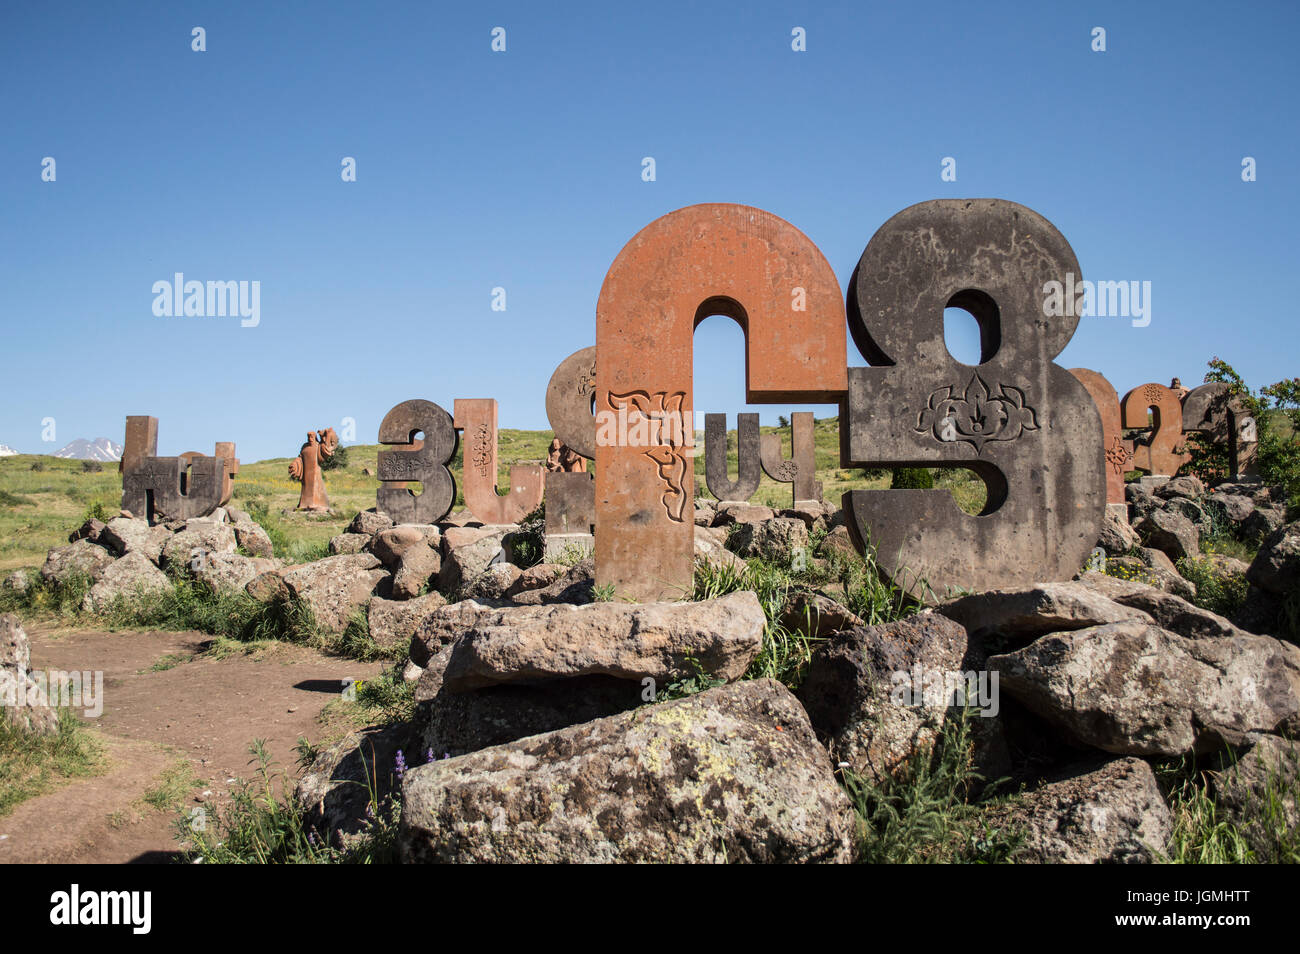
523 170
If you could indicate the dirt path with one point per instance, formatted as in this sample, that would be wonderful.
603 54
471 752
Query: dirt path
204 711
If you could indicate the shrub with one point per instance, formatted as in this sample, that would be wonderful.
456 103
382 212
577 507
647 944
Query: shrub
912 478
91 466
336 461
1216 591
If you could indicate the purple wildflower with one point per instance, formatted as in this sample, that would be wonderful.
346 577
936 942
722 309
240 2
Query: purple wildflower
401 765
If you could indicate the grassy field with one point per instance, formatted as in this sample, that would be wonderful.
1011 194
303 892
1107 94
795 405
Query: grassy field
38 508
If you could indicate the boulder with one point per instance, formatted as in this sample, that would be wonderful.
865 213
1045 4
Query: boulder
251 538
1132 688
441 627
1165 609
394 622
417 569
348 543
1258 789
335 791
1153 574
268 587
705 513
463 561
711 547
121 535
858 692
493 583
335 586
732 774
661 641
839 544
729 513
23 703
82 558
1026 612
1236 507
815 615
772 539
132 576
454 723
1171 533
369 522
535 578
1262 522
90 530
199 537
1140 501
576 585
1276 567
389 545
1188 487
810 514
16 582
1093 813
1117 537
230 571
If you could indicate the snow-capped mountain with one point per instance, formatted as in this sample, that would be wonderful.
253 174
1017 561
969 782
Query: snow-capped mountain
101 448
7 451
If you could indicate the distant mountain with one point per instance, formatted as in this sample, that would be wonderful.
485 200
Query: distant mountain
101 448
7 451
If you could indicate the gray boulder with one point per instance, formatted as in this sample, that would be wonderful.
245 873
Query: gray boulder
1117 536
1112 813
230 571
394 622
26 706
660 641
133 576
348 543
1027 612
82 558
335 586
369 522
416 569
859 692
1276 567
732 774
770 539
199 539
1132 688
1171 533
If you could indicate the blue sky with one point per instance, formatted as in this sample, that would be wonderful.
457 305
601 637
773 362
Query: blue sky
522 170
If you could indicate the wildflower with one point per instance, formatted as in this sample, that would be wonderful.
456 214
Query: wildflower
401 765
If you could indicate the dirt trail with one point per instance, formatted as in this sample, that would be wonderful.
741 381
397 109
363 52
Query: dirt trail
206 711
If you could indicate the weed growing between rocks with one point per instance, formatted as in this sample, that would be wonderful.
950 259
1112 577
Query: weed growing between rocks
263 825
921 813
1264 828
1216 591
31 764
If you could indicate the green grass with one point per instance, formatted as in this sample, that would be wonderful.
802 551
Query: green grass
33 764
1203 833
922 814
173 787
263 825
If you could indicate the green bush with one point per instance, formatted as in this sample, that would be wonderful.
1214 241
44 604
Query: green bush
1215 591
336 461
912 478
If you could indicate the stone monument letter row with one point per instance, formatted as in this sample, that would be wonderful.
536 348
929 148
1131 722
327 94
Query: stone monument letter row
1161 453
702 260
1119 452
570 494
477 417
1024 424
424 460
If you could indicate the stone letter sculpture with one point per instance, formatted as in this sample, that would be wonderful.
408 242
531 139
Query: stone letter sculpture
702 260
1161 453
1225 419
477 417
800 470
226 451
1019 421
160 489
1119 452
571 491
747 457
306 468
425 460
